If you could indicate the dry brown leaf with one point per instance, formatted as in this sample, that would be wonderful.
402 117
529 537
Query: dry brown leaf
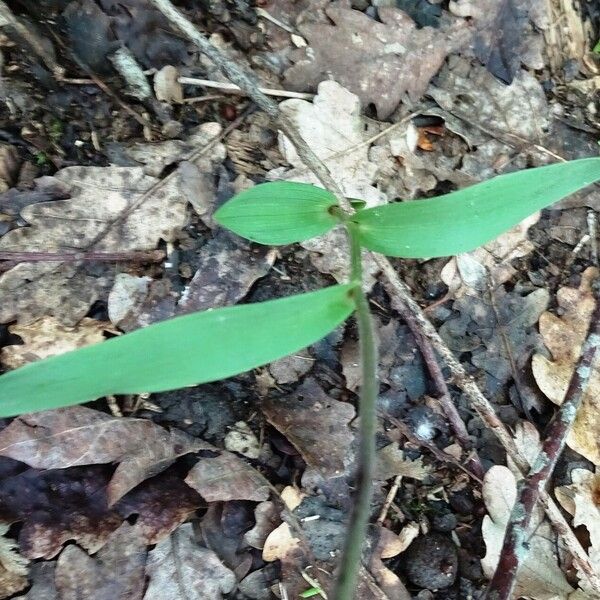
13 567
48 337
227 477
266 516
564 336
581 499
316 425
116 571
540 576
166 85
42 582
180 568
279 543
78 436
391 463
380 61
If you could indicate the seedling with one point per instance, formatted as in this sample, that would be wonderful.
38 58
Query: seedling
215 344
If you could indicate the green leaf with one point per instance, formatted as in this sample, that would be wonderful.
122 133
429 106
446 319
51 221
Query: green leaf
597 48
183 351
463 220
281 212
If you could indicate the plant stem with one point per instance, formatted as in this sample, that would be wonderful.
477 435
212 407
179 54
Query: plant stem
355 537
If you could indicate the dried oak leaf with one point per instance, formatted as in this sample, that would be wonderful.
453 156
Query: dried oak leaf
564 336
13 567
116 571
317 426
99 195
227 477
48 337
77 436
180 568
540 576
581 499
71 504
503 35
378 61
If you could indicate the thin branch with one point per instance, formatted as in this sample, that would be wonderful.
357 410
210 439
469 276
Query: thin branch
236 89
514 549
150 256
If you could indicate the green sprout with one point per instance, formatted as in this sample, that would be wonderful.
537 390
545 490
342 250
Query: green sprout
211 345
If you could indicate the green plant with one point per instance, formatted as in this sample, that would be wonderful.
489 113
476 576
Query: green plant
220 343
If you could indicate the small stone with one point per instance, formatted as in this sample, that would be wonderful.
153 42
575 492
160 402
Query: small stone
432 562
444 523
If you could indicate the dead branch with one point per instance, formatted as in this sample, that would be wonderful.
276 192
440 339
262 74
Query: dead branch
514 548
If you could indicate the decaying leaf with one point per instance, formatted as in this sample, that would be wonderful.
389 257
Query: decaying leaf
48 337
380 61
180 568
503 35
241 439
55 506
267 519
391 463
581 499
227 477
116 571
563 336
81 436
317 425
13 567
540 576
42 582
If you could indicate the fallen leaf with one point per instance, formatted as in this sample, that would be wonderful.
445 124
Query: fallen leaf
48 337
166 85
227 477
13 567
332 125
317 426
180 568
496 338
77 436
503 35
279 543
380 61
42 582
391 463
267 518
540 576
226 268
581 499
116 571
563 336
290 369
242 439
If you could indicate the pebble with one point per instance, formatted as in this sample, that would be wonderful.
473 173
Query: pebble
432 562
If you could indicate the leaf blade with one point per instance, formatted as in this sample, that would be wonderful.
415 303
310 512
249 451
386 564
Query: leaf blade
463 220
279 212
186 350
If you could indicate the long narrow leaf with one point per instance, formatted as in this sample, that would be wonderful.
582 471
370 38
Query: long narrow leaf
281 212
183 351
463 220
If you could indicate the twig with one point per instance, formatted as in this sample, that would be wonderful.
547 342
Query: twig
443 397
151 256
514 548
389 499
398 289
236 89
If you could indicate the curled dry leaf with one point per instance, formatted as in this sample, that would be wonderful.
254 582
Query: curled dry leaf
581 499
267 517
48 337
116 571
563 336
227 477
13 567
380 61
78 436
540 576
316 425
180 568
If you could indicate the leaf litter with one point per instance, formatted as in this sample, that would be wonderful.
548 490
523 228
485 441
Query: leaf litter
478 114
